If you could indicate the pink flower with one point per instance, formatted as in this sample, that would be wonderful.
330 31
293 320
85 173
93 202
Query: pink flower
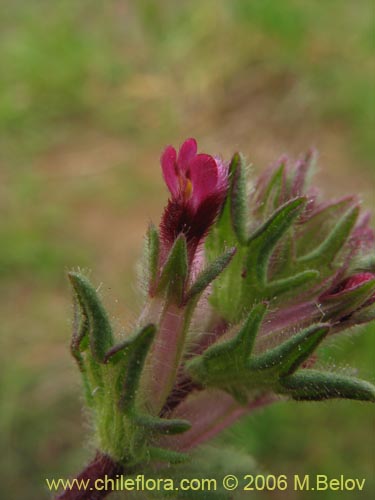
198 185
353 282
342 295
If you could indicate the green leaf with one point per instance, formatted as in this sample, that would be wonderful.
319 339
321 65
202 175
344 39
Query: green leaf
153 246
140 346
163 425
362 263
269 199
175 271
287 357
364 315
80 332
120 351
325 253
218 364
283 257
238 198
312 385
164 455
263 240
245 339
284 285
211 272
317 227
345 302
100 331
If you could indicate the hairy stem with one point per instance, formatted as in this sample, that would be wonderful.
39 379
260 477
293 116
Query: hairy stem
88 483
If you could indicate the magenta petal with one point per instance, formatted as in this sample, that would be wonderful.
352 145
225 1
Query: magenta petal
355 281
187 152
204 177
168 165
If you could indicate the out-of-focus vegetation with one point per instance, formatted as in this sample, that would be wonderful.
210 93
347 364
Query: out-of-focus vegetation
90 92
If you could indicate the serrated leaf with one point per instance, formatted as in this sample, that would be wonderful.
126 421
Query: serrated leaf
163 425
164 455
312 385
364 315
304 166
287 357
175 271
269 197
136 358
319 224
211 272
80 332
237 197
153 245
246 336
220 362
363 263
100 331
283 285
119 351
344 303
282 258
326 252
263 240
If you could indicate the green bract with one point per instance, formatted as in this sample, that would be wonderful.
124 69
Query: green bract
243 286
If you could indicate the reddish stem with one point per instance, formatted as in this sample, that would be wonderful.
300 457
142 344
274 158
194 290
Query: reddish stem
102 468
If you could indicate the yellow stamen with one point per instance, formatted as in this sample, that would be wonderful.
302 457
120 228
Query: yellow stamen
186 187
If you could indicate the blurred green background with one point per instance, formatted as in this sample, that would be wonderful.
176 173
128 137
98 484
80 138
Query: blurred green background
90 92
